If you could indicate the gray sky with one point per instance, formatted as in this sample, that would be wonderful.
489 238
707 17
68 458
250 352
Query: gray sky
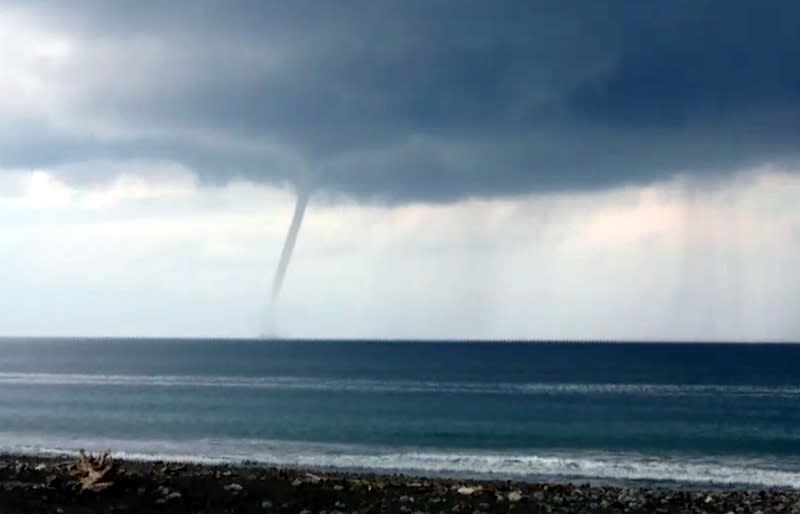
480 169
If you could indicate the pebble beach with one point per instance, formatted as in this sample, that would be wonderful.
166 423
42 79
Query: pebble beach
47 485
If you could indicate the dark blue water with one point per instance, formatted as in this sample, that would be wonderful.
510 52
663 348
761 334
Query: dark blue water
688 412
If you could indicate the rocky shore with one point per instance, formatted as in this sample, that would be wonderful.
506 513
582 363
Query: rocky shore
33 485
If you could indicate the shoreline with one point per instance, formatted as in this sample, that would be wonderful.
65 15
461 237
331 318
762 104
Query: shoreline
440 474
31 483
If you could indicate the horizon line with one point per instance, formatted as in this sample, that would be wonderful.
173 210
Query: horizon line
401 340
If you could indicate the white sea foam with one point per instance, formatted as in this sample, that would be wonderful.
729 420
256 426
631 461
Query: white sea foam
410 386
522 466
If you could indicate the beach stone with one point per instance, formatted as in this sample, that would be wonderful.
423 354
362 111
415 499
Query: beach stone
338 487
175 495
10 486
233 488
266 504
515 496
467 491
40 467
314 479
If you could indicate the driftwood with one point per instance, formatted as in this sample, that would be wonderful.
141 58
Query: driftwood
92 471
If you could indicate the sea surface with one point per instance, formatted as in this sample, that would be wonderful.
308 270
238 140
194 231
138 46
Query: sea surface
692 414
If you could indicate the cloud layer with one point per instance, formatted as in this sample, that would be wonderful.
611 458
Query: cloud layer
402 101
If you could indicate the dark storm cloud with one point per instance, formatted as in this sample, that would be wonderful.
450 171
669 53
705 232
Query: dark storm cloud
700 61
438 100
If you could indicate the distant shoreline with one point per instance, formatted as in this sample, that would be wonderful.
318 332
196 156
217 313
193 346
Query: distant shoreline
44 484
255 339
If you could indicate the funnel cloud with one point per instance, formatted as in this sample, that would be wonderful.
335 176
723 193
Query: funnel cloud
289 243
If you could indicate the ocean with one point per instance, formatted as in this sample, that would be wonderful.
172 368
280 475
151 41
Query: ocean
690 414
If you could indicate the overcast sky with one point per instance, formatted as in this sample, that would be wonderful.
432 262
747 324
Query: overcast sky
478 169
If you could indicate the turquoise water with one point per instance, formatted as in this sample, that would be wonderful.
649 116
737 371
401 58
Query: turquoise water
722 413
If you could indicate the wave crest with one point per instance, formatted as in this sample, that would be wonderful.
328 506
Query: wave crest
393 386
520 466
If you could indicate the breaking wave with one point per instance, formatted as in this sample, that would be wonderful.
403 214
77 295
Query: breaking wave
518 466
